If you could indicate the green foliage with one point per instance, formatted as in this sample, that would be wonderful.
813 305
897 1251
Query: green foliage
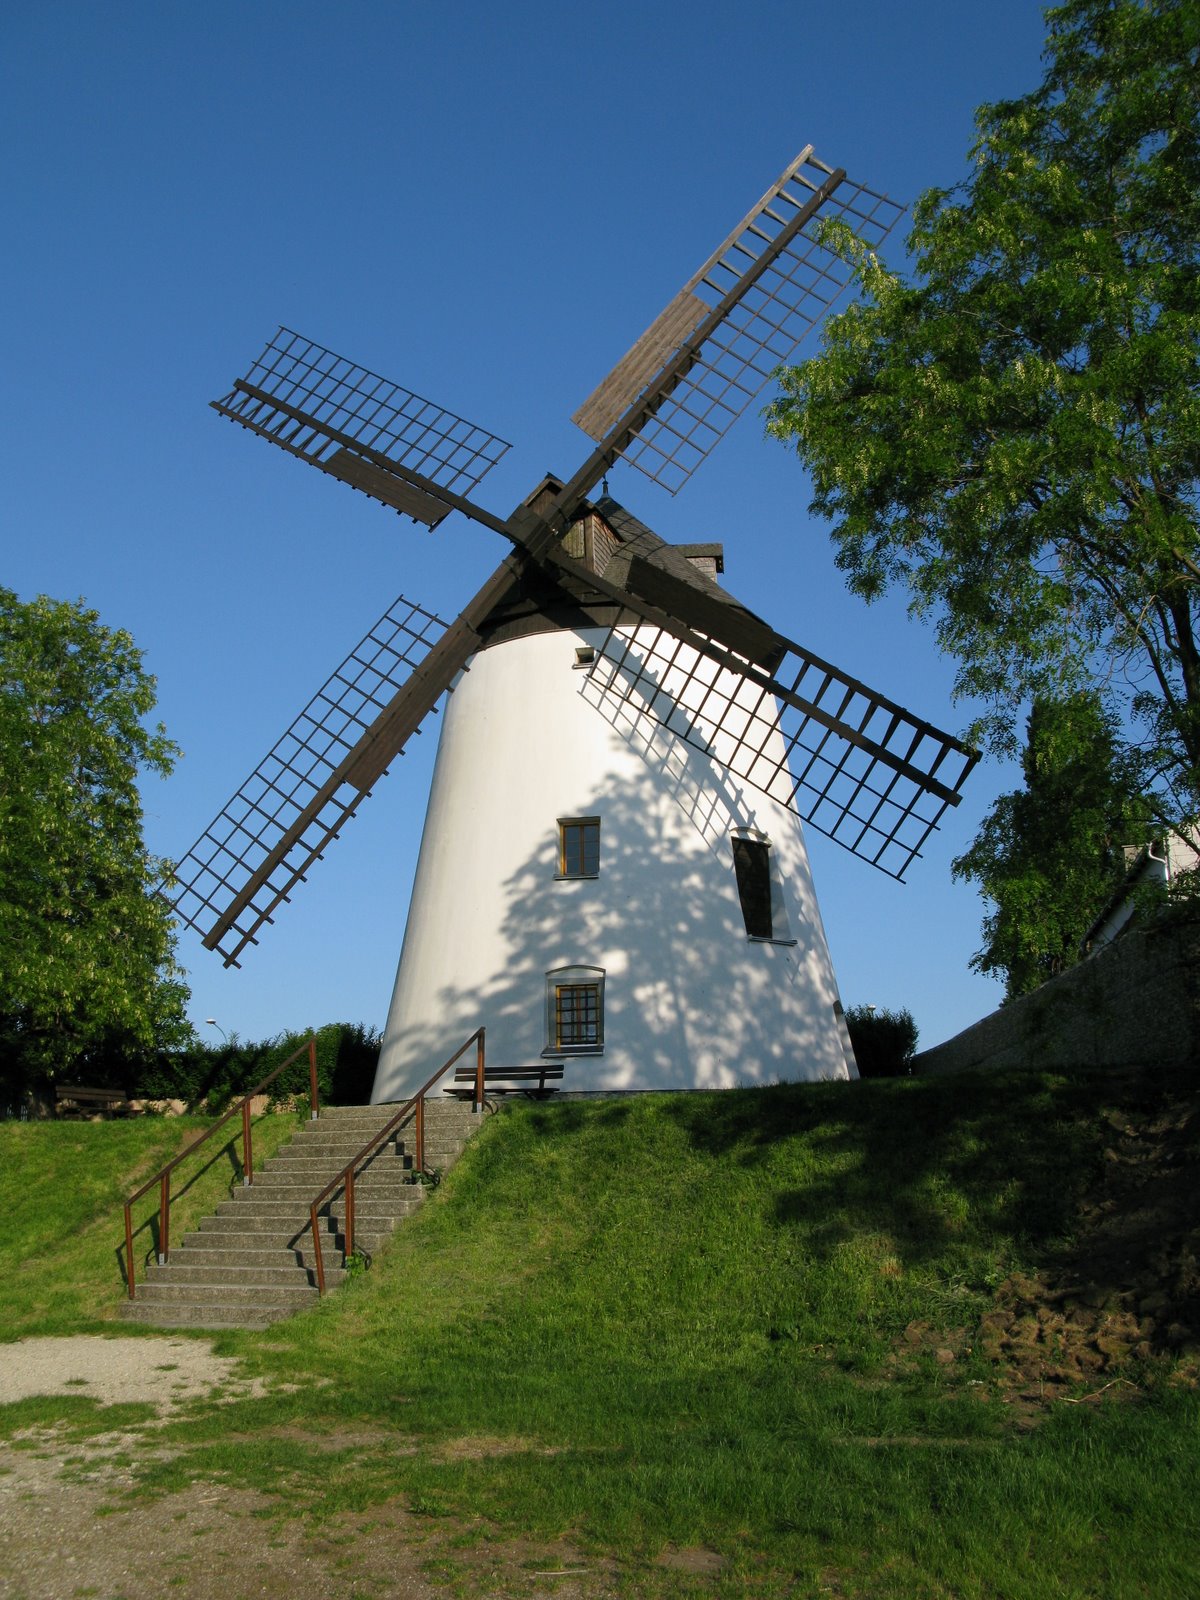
87 956
1049 855
356 1263
212 1075
1015 435
884 1041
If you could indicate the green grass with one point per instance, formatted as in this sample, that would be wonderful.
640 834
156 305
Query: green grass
62 1188
675 1320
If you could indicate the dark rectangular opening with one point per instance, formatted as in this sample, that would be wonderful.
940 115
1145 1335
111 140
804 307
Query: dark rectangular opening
751 862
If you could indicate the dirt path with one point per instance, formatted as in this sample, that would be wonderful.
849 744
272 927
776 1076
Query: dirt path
68 1533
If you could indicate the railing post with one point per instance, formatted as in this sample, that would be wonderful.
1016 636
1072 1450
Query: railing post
247 1145
313 1092
478 1103
317 1258
419 1123
129 1248
350 1210
164 1217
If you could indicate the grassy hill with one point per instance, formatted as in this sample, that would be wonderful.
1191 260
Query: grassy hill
62 1190
917 1337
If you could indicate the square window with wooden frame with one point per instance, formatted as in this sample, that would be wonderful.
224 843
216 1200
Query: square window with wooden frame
575 1011
578 847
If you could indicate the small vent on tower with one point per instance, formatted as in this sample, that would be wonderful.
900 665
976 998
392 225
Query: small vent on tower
584 655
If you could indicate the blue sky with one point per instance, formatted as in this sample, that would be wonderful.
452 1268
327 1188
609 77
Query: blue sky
487 204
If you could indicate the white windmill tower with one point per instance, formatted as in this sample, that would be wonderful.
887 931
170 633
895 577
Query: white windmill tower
612 877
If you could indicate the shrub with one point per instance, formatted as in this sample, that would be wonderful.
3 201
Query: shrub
213 1075
884 1041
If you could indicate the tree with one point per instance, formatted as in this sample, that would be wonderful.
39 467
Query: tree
1014 435
87 963
884 1041
1049 855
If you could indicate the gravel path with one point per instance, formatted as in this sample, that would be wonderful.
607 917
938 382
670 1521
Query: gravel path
161 1372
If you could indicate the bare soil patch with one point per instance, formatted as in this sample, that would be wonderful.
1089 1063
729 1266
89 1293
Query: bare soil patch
67 1529
1127 1287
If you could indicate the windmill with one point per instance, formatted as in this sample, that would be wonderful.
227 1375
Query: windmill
613 874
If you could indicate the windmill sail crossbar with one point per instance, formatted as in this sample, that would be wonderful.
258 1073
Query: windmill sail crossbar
316 405
763 291
849 762
300 796
356 464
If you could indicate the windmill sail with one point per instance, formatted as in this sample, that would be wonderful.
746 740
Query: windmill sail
855 766
294 803
704 359
360 427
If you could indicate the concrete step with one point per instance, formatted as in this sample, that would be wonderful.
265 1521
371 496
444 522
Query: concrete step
376 1222
281 1190
398 1199
255 1260
198 1316
279 1213
268 1227
332 1146
361 1122
199 1255
292 1242
271 1203
331 1156
324 1150
317 1174
257 1296
240 1274
435 1106
439 1115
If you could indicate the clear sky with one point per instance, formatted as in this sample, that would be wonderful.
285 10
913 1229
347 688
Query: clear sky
487 204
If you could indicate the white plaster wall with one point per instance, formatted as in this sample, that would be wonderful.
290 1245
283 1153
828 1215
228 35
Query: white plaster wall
1180 857
690 1001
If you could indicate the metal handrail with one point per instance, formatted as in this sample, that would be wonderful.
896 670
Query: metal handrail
163 1178
346 1175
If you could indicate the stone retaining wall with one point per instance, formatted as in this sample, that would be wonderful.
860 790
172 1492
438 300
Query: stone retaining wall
1137 1000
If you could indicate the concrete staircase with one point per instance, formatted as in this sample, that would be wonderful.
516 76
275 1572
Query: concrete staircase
252 1262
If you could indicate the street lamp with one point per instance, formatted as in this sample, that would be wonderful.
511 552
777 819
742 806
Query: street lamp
211 1022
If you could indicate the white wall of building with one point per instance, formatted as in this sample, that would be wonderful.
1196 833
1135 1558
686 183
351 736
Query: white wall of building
689 1000
1159 863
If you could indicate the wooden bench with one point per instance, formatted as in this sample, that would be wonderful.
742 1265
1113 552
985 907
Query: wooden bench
74 1100
536 1082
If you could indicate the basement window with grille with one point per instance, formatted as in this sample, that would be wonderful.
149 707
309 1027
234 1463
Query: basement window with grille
578 847
574 1011
760 891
